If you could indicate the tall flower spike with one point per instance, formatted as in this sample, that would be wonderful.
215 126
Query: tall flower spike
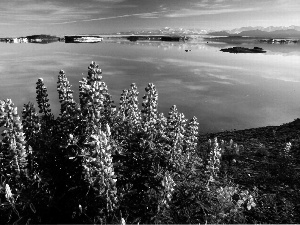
69 113
94 73
134 112
124 105
149 111
191 135
214 161
83 95
168 185
162 125
64 92
99 171
176 124
42 98
175 131
13 154
30 121
95 101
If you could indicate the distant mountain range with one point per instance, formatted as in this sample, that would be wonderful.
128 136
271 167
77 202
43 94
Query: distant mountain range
267 29
167 31
269 32
263 32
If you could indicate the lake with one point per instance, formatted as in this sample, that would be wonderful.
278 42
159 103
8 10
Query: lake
224 91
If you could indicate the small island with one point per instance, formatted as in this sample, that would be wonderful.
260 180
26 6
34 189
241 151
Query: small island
243 50
38 39
83 39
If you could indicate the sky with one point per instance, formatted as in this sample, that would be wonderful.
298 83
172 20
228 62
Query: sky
67 17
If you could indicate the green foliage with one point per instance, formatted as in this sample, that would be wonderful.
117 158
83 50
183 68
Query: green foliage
95 163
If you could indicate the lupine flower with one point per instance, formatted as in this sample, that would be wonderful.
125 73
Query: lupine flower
99 170
287 150
214 160
123 222
168 184
149 110
42 98
191 135
8 194
14 154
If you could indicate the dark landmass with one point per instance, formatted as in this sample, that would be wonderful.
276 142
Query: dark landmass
37 39
157 38
231 39
44 39
243 50
279 41
83 39
261 162
242 39
132 38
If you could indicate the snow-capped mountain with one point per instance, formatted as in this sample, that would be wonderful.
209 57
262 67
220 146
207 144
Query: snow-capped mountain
167 31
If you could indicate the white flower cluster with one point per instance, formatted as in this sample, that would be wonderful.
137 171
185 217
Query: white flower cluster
232 200
169 184
8 194
214 160
286 152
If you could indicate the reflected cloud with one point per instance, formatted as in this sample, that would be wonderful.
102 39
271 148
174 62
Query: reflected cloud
109 1
197 87
114 73
170 82
282 78
226 77
222 82
203 83
186 63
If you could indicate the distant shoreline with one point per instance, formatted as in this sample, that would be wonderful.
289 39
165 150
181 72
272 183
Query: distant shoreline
271 136
92 38
242 39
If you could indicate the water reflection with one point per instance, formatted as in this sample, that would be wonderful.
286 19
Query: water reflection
224 91
272 49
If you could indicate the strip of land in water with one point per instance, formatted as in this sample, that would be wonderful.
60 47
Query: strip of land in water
242 39
92 38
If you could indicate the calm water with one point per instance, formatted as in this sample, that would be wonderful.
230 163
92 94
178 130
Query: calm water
224 91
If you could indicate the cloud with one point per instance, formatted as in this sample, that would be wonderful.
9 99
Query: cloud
56 11
37 11
6 24
140 15
110 1
287 5
201 12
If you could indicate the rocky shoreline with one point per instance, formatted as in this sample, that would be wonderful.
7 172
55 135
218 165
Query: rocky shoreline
264 163
270 136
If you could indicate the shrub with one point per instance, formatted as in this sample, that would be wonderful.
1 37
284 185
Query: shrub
98 163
